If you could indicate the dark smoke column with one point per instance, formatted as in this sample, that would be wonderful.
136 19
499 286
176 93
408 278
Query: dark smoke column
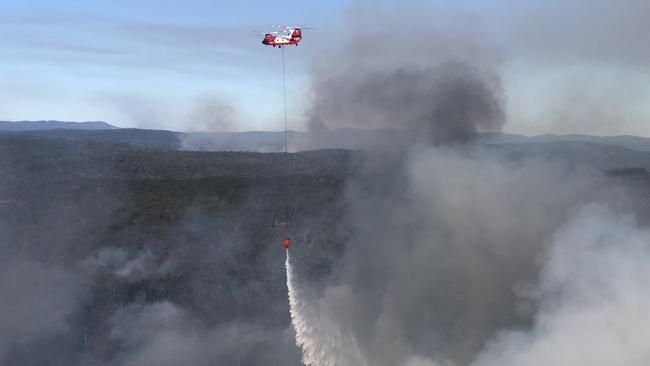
444 104
463 103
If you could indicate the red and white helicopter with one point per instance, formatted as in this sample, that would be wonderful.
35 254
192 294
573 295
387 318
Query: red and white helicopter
285 36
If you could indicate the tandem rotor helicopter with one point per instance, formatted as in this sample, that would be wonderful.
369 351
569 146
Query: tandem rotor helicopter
284 36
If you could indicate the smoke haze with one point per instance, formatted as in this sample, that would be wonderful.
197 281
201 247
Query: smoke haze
446 87
211 113
557 65
590 295
465 255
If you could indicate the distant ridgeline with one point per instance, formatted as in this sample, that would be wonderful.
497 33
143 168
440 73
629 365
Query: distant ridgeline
270 141
52 125
91 132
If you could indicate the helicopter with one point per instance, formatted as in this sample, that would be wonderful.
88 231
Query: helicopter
285 36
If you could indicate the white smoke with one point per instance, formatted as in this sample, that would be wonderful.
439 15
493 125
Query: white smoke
473 259
594 298
321 341
36 302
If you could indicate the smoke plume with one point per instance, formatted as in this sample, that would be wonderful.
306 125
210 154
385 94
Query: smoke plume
467 257
443 87
461 255
447 103
211 113
591 296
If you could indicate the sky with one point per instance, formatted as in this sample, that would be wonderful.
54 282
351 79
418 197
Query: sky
145 63
571 68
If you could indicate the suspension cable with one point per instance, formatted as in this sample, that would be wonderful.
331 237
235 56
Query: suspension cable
284 86
286 147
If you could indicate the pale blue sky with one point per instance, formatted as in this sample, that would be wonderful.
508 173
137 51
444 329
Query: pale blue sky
142 63
146 63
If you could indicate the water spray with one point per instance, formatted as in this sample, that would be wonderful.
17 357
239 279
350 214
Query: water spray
321 341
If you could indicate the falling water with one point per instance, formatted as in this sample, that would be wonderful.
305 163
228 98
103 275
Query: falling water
321 342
